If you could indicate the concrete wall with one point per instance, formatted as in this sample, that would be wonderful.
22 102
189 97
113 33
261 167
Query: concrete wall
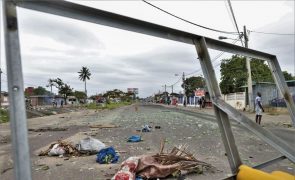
236 100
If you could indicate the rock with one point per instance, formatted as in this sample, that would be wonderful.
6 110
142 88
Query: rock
58 164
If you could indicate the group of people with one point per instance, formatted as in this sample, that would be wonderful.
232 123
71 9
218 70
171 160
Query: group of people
54 103
202 102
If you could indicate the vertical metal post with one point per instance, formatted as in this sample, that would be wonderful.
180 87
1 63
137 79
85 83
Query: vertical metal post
222 117
18 120
282 86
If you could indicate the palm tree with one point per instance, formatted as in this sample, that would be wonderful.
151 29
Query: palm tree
84 74
50 84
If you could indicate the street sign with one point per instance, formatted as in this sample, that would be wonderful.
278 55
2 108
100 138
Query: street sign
200 92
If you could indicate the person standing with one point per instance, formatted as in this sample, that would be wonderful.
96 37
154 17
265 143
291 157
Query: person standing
258 108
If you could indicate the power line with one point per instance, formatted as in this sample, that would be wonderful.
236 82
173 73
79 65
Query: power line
235 21
201 26
272 33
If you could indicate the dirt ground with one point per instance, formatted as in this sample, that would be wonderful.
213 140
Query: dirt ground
200 132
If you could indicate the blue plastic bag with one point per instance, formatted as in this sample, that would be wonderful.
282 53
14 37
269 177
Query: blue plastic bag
134 138
107 156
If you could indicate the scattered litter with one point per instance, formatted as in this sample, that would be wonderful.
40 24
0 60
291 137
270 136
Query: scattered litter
44 129
90 145
121 151
128 169
157 127
101 126
68 149
177 163
134 138
58 164
42 167
56 150
107 156
146 128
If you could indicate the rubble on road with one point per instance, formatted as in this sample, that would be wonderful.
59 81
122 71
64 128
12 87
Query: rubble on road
90 146
134 138
44 129
146 128
176 163
58 147
107 156
101 126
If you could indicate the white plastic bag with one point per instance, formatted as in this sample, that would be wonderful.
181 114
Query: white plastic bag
56 150
90 145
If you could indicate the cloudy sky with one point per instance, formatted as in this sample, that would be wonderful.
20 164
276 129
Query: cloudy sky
54 46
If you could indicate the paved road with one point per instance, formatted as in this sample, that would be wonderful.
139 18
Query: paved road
199 131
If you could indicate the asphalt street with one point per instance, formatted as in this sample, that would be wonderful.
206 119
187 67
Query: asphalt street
197 130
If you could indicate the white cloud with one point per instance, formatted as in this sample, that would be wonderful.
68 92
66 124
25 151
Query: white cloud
53 46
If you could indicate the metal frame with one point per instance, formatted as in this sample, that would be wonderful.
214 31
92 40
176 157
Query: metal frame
71 10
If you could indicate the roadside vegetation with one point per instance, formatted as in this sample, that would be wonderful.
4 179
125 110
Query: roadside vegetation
4 116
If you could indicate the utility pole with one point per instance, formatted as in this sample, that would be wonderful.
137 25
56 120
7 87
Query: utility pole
184 86
250 90
172 88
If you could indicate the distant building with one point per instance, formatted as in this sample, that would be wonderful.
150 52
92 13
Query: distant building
4 99
29 91
269 91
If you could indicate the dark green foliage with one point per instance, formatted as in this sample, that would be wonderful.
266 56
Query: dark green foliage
192 83
234 73
40 91
288 76
79 95
63 89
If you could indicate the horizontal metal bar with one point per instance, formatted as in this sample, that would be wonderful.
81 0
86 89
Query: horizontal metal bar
93 15
231 48
262 133
267 163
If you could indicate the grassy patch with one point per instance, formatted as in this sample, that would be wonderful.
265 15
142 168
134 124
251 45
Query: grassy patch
107 106
4 116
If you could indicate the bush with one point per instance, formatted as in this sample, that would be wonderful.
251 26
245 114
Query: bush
4 117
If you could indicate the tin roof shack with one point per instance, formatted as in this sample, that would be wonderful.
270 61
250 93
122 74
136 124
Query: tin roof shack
269 91
44 100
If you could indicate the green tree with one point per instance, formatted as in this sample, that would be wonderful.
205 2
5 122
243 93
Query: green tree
234 73
192 83
84 74
40 91
288 76
63 89
79 95
116 93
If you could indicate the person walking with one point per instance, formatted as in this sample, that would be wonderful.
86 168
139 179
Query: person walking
258 108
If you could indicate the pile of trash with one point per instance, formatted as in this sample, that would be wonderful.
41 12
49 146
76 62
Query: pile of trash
176 163
61 148
86 146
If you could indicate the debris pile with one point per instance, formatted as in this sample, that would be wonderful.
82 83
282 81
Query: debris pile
63 148
176 163
44 129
